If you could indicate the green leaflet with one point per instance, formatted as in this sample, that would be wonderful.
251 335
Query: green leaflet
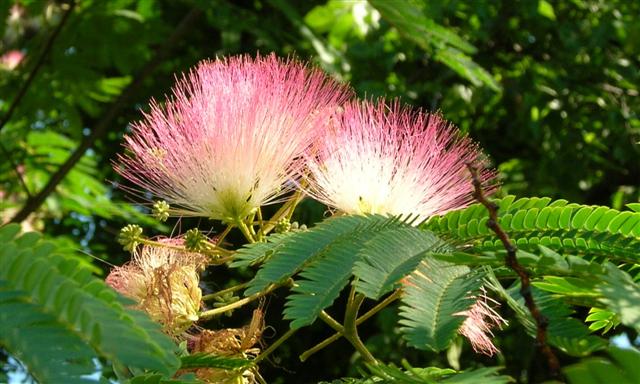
450 49
602 319
205 360
320 283
63 291
621 367
392 374
323 278
378 250
434 294
564 332
257 253
389 257
300 248
621 295
42 342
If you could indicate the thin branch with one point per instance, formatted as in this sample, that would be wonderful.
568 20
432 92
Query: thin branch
102 127
380 306
274 346
261 225
215 295
350 331
330 321
237 304
36 68
246 232
324 343
16 169
512 262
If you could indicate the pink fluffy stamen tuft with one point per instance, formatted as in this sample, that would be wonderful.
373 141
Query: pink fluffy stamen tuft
233 135
385 159
480 320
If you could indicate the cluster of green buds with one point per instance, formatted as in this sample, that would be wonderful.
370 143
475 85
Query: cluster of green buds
160 210
224 300
195 241
284 225
130 237
298 227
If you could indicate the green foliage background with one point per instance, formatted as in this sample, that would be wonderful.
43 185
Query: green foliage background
548 88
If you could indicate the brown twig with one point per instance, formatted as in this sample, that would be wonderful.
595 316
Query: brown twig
104 124
512 262
45 52
16 169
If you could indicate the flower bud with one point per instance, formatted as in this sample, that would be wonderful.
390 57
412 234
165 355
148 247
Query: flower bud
194 240
283 226
161 210
129 237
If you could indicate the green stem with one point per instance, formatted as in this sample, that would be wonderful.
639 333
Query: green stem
260 225
333 323
237 304
351 329
258 376
275 345
215 251
297 198
352 296
336 336
242 226
286 211
214 295
380 306
321 345
224 234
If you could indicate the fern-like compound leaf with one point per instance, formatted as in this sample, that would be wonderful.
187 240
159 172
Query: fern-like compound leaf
435 295
592 231
59 294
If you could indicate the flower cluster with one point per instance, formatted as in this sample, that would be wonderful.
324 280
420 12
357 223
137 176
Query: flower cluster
385 159
11 59
163 280
232 137
239 133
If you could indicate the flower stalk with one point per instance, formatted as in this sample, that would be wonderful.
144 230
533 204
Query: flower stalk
239 303
215 295
350 331
336 336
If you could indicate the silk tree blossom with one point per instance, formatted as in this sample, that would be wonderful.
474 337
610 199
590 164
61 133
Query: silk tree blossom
385 159
478 325
163 280
11 60
232 137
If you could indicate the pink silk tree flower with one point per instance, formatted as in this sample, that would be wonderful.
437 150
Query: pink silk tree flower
478 325
385 159
11 59
233 135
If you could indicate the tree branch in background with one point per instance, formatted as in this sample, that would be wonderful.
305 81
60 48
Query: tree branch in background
16 169
101 128
45 52
512 262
